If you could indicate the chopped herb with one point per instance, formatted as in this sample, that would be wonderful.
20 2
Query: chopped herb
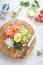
39 53
18 45
25 4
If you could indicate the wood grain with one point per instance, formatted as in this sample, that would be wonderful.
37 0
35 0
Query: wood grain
15 53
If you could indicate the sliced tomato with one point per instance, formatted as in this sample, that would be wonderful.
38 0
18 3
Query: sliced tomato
41 11
39 15
37 19
15 29
41 19
10 31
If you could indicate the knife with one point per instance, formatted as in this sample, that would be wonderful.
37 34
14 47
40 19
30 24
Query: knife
27 46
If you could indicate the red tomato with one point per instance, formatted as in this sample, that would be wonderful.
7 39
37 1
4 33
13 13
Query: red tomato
10 31
39 15
41 19
41 11
37 18
15 29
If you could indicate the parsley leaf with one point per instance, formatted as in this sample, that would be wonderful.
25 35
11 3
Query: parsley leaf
18 45
25 4
39 53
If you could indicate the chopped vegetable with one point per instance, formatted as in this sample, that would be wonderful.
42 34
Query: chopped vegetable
39 17
10 31
9 42
25 4
39 53
25 35
18 45
20 36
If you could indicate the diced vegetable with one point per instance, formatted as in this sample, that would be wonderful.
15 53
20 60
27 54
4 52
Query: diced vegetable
18 45
9 42
25 35
20 36
10 31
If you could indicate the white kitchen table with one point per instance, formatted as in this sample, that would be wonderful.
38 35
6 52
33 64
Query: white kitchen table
31 59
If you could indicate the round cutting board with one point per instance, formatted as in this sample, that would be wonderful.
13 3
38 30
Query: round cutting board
16 53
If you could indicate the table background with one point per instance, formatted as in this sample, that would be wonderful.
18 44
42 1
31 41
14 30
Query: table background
31 59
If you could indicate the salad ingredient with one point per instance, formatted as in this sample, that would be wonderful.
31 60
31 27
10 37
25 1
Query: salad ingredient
16 11
39 17
39 53
9 42
41 11
17 37
23 30
25 35
31 12
22 38
18 45
25 4
10 31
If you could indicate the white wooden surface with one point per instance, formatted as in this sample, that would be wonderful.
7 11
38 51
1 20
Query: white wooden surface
31 59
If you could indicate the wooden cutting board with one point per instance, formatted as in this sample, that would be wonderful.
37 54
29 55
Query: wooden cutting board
15 52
